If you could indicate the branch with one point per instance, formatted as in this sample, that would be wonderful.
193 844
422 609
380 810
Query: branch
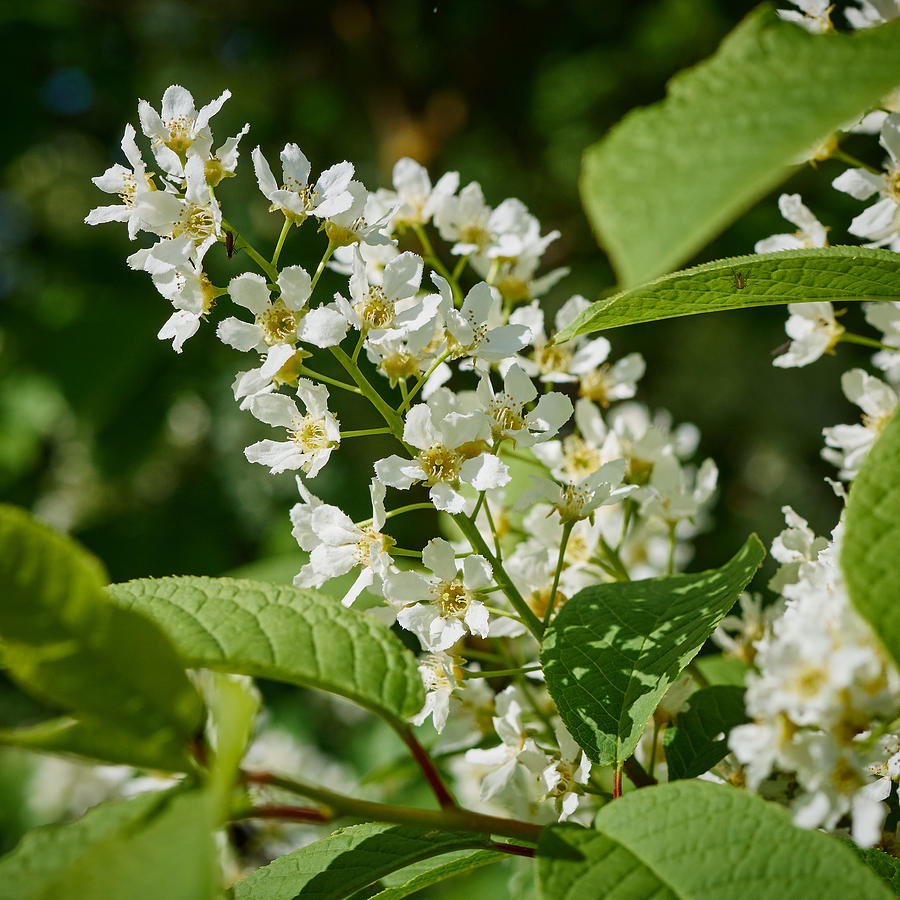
444 797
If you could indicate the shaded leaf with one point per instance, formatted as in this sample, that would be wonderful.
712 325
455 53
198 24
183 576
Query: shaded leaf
693 840
869 553
406 883
66 644
837 274
671 176
614 649
282 633
154 845
699 739
348 860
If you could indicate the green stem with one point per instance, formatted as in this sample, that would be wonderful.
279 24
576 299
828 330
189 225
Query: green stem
652 766
359 346
430 256
303 370
458 269
281 237
445 819
364 432
852 338
241 243
473 535
390 416
321 267
399 551
490 518
407 399
853 161
614 560
551 603
397 512
501 673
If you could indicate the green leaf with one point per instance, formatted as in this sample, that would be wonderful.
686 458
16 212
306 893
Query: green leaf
282 633
154 845
885 866
693 840
671 176
837 274
348 860
65 643
869 555
613 650
98 739
693 745
717 668
409 883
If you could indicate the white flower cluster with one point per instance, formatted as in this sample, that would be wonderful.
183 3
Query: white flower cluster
459 364
823 694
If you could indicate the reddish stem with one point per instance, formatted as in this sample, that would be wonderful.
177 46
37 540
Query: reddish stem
444 797
298 813
617 783
515 849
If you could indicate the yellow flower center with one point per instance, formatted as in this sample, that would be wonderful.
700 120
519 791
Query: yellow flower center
552 358
399 365
451 597
279 324
440 463
370 540
375 310
195 221
310 433
180 133
595 385
579 458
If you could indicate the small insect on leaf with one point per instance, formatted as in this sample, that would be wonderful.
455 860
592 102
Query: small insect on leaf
739 281
229 243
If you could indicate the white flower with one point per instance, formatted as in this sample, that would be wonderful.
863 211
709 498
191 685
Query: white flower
796 545
885 316
848 445
180 326
126 183
671 495
224 161
476 328
195 216
813 331
413 197
176 276
513 766
462 220
296 198
507 409
578 358
880 223
274 323
582 453
179 129
336 545
440 609
438 671
281 365
563 777
871 12
389 311
312 436
815 16
810 231
579 500
446 441
363 222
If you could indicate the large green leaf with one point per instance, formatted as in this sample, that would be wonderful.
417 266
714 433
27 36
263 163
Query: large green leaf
700 738
838 274
693 840
885 866
65 643
671 176
869 556
614 649
151 846
283 633
348 860
409 882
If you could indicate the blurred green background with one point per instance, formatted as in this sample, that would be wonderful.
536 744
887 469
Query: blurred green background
106 433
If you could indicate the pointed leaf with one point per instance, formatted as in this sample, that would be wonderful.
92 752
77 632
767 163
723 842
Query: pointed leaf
693 840
699 739
407 882
671 176
613 650
837 274
66 644
869 556
348 860
283 633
